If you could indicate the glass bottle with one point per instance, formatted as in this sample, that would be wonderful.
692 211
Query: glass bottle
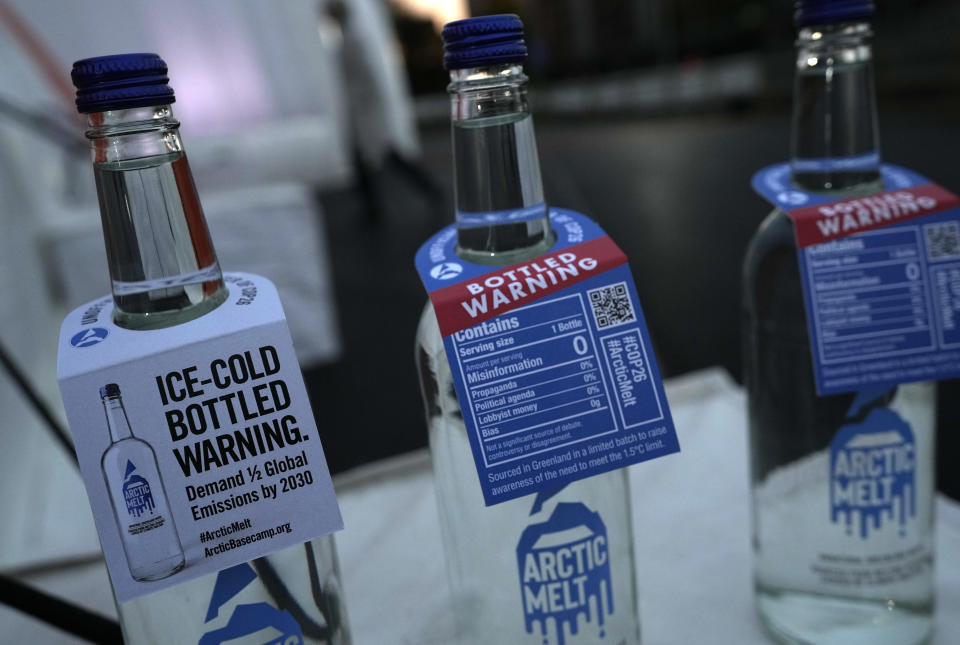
497 173
164 272
147 530
163 268
826 572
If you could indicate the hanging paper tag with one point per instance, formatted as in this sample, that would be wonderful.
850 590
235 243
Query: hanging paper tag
881 279
197 443
551 360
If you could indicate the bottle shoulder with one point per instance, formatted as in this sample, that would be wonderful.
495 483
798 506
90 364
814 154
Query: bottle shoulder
775 234
431 362
772 291
428 331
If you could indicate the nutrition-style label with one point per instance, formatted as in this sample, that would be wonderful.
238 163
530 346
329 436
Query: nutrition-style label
881 277
537 384
872 298
551 360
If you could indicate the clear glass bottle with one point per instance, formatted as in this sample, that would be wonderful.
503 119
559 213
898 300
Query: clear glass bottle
826 572
147 530
164 272
497 170
163 268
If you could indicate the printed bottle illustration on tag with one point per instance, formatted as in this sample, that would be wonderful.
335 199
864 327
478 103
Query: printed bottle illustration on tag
149 536
872 467
564 569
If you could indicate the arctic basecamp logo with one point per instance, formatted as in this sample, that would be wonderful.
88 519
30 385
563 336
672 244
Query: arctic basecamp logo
136 492
446 271
564 566
88 337
872 473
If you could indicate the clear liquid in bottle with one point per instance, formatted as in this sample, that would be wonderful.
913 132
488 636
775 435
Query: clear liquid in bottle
163 267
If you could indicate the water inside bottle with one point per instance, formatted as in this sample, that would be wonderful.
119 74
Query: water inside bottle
162 265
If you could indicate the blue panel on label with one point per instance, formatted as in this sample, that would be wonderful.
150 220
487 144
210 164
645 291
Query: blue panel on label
881 279
627 364
561 385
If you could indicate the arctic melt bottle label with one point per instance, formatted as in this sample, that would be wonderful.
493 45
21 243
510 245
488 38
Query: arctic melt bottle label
564 569
208 455
872 474
881 279
551 360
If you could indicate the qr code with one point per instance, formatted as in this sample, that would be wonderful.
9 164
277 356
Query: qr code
943 240
611 305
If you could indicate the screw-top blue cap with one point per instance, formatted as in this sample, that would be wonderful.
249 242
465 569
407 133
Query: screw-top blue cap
483 41
120 82
110 389
825 12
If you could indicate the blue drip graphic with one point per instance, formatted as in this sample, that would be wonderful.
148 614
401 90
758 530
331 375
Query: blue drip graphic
872 469
564 568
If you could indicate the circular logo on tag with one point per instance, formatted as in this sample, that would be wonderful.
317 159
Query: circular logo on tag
88 337
792 198
446 271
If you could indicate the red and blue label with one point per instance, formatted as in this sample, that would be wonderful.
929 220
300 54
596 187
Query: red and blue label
881 279
551 360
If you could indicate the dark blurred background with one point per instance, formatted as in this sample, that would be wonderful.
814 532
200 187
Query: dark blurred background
318 132
651 117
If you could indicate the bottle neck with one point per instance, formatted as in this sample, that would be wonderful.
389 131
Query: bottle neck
835 142
117 420
501 213
163 268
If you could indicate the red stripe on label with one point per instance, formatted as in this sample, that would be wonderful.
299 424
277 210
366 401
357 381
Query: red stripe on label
837 220
472 301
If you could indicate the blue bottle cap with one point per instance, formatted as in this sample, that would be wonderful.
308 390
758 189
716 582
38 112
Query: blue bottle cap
120 82
483 41
825 12
110 389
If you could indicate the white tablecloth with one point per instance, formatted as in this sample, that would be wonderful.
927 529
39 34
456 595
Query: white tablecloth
691 520
691 526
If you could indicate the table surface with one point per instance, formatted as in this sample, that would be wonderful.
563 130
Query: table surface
691 534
